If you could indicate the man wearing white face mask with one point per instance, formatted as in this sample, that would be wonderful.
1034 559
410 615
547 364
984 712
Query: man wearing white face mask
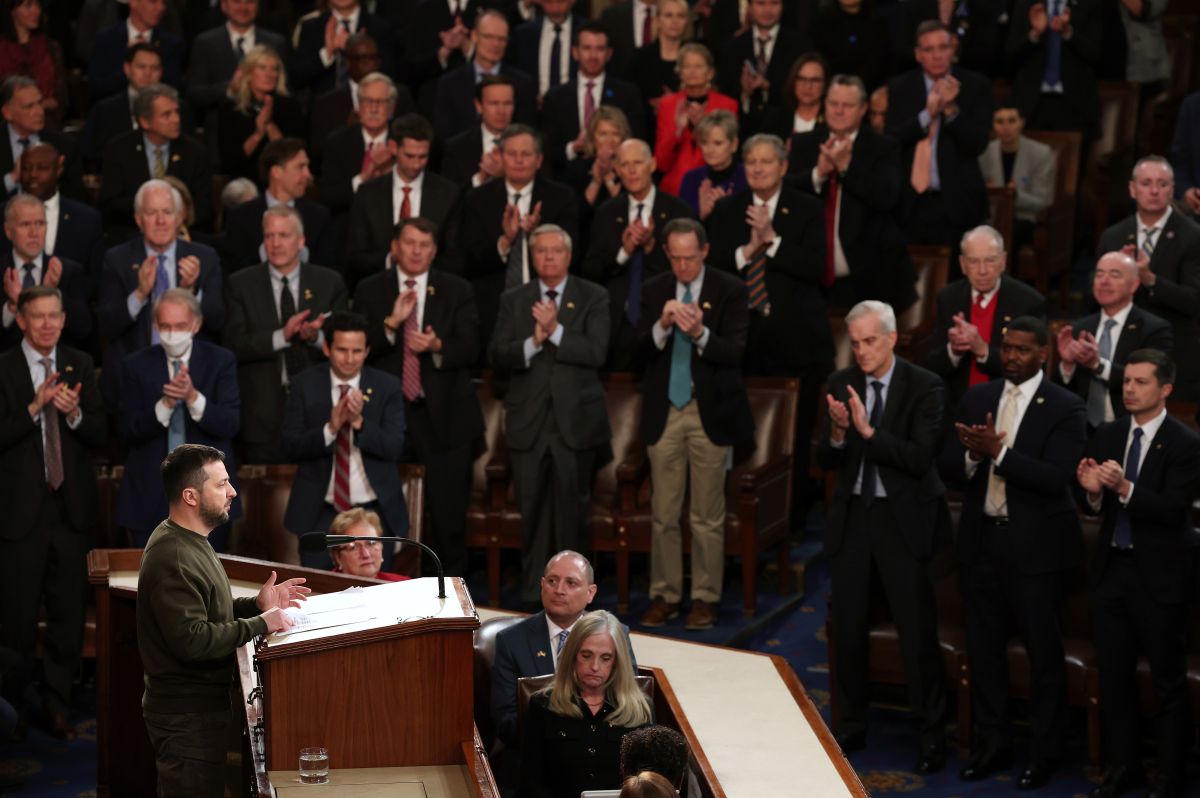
181 390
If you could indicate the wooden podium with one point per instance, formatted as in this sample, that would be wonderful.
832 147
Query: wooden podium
389 692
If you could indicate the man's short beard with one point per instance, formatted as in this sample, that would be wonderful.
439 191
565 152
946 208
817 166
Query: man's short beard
213 517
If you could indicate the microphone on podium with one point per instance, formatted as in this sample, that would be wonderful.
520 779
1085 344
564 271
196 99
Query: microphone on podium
320 541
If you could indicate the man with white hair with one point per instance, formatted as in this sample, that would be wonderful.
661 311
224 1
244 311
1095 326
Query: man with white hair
888 514
139 271
552 333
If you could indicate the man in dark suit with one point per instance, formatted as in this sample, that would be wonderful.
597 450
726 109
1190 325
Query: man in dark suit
52 417
555 417
1093 350
773 237
24 127
568 108
1166 246
530 648
973 315
27 264
856 172
541 47
344 426
274 314
157 150
319 60
630 25
141 269
217 52
115 115
472 158
940 115
438 37
284 168
1141 474
180 390
499 216
408 190
358 152
143 26
455 91
754 65
888 509
627 246
424 330
73 230
1055 47
691 335
1017 443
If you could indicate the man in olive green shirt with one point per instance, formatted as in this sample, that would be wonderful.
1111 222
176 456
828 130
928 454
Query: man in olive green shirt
190 626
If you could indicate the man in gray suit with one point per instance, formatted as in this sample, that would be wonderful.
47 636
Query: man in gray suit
552 333
1026 165
274 318
216 53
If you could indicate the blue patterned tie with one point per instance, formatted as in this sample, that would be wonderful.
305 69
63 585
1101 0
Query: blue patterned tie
175 434
562 640
1123 532
162 282
679 389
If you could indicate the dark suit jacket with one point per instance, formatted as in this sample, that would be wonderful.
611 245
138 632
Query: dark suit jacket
1175 295
959 143
141 501
427 20
381 441
455 109
870 193
560 112
482 216
252 322
342 162
71 182
79 238
372 220
524 44
335 109
716 372
903 449
563 380
600 264
76 296
213 60
22 464
1039 472
1081 55
112 117
106 74
1164 540
306 71
243 232
797 324
450 310
789 45
1013 299
126 335
1142 330
125 169
617 19
461 156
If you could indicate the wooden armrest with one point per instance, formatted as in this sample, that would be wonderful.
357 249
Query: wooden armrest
753 478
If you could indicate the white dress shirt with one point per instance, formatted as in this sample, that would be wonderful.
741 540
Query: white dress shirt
641 10
490 141
133 35
1067 371
581 92
52 206
739 256
647 204
248 38
1157 227
1028 389
988 296
360 488
196 409
545 44
6 314
414 195
524 205
555 338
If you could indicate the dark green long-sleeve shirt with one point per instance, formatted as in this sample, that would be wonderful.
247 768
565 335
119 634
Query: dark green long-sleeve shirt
189 625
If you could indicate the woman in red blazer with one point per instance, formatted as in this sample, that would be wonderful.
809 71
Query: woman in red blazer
674 149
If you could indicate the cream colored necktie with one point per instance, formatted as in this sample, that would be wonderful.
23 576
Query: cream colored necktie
996 503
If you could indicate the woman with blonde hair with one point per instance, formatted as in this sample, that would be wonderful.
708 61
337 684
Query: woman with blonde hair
573 729
257 111
592 174
360 557
654 66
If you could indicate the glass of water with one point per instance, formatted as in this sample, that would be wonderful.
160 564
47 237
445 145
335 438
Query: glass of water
314 766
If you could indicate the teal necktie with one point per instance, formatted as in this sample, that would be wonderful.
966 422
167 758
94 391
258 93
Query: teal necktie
679 390
175 429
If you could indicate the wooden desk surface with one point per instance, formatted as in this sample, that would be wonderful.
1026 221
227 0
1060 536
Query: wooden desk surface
445 781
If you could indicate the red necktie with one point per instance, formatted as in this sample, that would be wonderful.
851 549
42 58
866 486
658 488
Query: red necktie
831 201
647 24
410 375
341 463
589 102
406 205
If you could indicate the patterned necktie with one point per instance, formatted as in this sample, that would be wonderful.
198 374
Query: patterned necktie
53 437
27 281
589 102
679 388
1148 242
162 281
160 162
831 204
175 427
760 63
514 274
411 370
756 280
1097 388
1123 531
869 477
997 496
406 203
921 176
294 359
633 300
556 57
561 637
341 462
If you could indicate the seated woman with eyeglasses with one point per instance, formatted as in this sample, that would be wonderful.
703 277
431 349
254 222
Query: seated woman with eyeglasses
573 730
360 557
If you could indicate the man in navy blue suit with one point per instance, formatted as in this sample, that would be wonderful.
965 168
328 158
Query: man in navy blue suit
348 448
1017 443
106 74
542 46
140 270
180 390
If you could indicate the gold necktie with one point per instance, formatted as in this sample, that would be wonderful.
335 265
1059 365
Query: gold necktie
160 163
996 503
